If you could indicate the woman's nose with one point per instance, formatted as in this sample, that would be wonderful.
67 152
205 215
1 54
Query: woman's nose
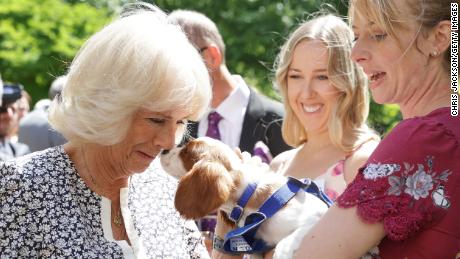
167 138
308 89
359 53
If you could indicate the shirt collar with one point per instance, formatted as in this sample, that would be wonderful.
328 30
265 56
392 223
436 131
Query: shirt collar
236 101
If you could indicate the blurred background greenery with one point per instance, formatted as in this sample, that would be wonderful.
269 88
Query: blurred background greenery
39 38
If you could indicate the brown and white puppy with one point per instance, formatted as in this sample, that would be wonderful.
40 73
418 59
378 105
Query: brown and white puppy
212 176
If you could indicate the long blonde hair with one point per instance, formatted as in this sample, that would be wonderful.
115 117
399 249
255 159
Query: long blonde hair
347 124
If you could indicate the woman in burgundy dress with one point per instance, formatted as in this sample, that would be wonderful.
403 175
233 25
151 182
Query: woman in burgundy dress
405 199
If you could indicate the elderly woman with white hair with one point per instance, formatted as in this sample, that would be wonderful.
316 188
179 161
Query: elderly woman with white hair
130 91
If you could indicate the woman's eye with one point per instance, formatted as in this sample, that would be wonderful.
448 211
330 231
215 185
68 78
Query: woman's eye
157 120
293 76
322 77
379 37
355 39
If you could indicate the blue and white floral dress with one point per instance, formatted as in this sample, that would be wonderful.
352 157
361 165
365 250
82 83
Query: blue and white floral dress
47 211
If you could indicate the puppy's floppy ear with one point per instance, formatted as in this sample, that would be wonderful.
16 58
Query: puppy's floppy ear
203 189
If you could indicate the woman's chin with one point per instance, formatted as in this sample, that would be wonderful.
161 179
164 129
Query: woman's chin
139 168
380 96
141 162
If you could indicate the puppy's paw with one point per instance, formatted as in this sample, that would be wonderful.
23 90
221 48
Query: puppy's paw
284 249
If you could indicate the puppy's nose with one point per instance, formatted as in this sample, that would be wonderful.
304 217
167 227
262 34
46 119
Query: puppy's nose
164 151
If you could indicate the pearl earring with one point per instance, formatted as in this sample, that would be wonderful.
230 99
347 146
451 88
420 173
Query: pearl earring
434 53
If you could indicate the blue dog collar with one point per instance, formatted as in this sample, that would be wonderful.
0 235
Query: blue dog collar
237 211
243 240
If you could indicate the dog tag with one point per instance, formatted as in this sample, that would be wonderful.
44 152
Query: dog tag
238 244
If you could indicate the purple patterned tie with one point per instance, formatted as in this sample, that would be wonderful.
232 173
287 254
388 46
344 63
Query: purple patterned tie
207 224
213 122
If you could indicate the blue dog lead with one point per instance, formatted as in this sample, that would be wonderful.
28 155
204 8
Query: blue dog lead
242 240
312 188
237 211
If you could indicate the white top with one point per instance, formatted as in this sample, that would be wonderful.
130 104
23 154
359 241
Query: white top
128 251
232 110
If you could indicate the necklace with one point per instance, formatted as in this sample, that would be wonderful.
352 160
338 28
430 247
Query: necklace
117 218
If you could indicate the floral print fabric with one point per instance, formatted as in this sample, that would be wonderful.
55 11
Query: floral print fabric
151 200
334 180
418 185
46 210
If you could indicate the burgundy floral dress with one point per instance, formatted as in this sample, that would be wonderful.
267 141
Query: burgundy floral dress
411 183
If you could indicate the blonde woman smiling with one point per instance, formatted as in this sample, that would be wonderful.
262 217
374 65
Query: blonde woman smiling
326 103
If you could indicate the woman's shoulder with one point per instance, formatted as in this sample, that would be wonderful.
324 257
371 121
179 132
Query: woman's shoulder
279 162
433 134
358 158
435 123
31 166
415 141
286 155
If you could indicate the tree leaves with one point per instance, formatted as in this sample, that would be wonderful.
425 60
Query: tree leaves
39 39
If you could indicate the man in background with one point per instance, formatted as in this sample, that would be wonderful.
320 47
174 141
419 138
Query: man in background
34 128
8 116
239 116
23 108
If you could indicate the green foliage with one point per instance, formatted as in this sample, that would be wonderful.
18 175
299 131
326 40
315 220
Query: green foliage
384 117
38 39
254 30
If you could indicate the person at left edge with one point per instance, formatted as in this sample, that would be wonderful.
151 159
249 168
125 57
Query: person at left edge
1 88
130 91
9 112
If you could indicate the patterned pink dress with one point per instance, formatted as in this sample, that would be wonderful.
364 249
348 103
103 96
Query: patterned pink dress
411 183
334 180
